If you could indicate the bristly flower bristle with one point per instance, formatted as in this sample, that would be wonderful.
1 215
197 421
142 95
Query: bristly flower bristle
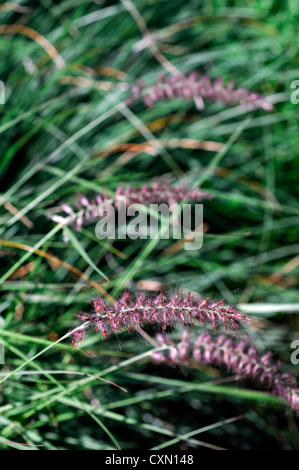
240 357
85 211
197 88
135 311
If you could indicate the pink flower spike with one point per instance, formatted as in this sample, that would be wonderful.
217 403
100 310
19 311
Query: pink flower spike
199 89
135 311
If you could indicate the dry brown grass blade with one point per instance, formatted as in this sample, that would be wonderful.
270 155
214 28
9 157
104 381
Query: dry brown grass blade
145 147
58 262
209 145
91 83
38 38
254 185
21 444
161 123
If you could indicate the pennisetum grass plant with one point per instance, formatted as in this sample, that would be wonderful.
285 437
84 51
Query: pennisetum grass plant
86 209
237 356
198 88
86 108
135 311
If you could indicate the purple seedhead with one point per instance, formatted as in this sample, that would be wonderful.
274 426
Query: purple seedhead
86 211
240 357
198 88
135 311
